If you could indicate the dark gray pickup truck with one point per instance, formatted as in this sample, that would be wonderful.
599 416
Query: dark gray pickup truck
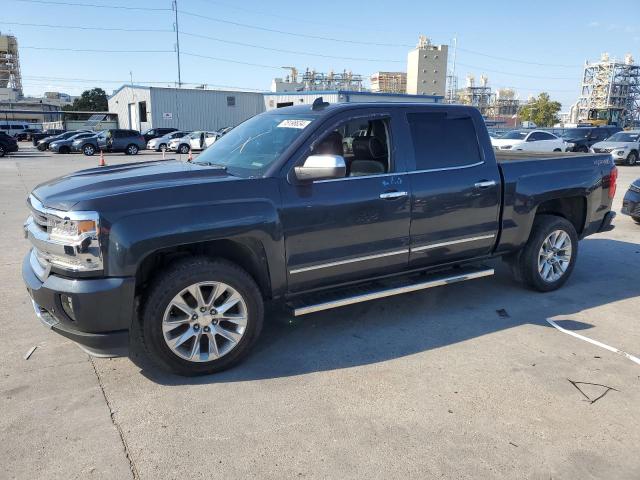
278 210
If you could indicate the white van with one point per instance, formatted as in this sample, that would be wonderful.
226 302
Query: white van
14 127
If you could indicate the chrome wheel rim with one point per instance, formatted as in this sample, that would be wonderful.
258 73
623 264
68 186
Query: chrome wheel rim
132 150
204 321
88 150
554 256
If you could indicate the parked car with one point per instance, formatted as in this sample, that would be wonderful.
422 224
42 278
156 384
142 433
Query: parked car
623 147
27 134
160 143
156 132
44 143
49 132
63 145
531 141
114 140
195 141
13 127
276 211
583 138
631 201
8 144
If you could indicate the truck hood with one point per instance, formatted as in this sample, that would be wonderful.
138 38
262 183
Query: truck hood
612 145
63 193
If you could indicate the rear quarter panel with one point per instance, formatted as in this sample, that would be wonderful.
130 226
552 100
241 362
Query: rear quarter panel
530 182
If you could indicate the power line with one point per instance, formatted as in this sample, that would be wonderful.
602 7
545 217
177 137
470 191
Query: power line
94 5
78 27
507 59
232 61
294 52
543 77
94 50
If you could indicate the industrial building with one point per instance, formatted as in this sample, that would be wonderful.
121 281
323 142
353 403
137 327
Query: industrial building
610 92
389 82
140 107
287 99
10 77
313 81
427 69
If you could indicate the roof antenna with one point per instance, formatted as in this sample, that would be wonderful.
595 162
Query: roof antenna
319 104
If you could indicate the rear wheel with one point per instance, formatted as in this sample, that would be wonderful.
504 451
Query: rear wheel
2 152
184 148
557 150
131 149
582 149
632 159
636 219
202 316
88 149
549 256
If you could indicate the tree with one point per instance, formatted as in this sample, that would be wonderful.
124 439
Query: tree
94 100
542 111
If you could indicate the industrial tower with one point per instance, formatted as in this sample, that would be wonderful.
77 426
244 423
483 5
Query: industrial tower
10 64
610 92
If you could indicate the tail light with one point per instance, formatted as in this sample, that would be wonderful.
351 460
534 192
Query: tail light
613 178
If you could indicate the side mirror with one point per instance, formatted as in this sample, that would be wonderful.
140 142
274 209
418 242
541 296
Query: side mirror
321 167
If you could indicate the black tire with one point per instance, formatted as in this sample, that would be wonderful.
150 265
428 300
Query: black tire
42 147
636 219
183 148
557 150
131 149
163 146
2 152
582 149
88 149
179 276
524 265
632 159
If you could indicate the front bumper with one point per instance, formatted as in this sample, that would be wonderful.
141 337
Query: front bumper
103 308
631 204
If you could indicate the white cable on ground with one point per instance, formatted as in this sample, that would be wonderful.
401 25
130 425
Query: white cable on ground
595 342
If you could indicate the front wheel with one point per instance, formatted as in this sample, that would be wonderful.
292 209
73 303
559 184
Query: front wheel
635 219
202 316
132 149
632 159
88 150
2 152
549 256
184 149
162 147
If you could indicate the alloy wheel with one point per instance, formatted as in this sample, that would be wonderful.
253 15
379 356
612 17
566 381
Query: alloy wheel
554 256
205 321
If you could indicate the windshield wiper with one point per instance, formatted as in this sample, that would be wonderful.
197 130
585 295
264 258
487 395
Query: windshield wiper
211 164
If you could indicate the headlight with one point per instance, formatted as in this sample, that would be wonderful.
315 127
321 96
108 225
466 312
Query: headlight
570 145
619 153
67 229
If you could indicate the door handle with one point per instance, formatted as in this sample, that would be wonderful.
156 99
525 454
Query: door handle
485 184
392 195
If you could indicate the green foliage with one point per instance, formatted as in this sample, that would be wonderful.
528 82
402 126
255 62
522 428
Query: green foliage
94 100
542 111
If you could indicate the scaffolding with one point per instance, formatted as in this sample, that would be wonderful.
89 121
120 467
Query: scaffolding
10 64
610 92
389 82
478 96
505 103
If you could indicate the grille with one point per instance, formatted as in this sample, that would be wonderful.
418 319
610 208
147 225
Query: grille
40 218
602 150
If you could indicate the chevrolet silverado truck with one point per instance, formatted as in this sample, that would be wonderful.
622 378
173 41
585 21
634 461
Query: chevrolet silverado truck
276 211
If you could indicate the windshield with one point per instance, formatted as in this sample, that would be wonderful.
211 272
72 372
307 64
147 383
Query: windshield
515 135
252 146
624 137
575 133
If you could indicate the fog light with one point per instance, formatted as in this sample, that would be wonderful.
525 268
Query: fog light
67 306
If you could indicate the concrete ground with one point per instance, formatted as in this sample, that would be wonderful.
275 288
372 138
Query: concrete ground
465 381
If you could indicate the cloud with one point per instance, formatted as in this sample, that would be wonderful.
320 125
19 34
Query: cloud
593 24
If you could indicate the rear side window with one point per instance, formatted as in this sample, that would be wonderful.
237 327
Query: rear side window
443 141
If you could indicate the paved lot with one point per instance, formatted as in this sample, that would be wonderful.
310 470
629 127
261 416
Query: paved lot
468 381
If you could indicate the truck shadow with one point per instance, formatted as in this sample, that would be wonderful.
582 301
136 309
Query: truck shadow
395 327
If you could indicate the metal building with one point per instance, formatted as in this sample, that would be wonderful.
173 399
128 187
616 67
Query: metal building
139 107
287 99
427 68
610 92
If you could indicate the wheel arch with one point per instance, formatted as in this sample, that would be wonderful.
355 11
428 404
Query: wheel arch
574 209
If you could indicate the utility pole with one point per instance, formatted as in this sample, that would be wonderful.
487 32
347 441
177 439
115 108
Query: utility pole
174 6
454 79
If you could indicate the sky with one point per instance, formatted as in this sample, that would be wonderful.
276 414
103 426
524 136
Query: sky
530 46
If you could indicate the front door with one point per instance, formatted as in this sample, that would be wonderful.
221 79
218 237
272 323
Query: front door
456 193
355 227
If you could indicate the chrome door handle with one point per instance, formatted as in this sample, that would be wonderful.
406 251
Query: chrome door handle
485 184
392 195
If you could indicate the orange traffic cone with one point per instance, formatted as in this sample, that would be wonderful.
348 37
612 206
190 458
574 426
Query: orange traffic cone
102 162
190 158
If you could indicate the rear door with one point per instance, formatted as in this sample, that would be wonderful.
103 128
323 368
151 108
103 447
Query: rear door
456 191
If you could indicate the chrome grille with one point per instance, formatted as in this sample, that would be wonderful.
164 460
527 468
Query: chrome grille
40 217
603 150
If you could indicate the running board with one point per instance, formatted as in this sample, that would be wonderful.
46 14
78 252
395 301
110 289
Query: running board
350 295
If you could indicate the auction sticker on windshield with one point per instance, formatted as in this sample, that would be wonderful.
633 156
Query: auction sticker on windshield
292 123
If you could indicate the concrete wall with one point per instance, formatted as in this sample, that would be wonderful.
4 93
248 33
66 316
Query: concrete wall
427 70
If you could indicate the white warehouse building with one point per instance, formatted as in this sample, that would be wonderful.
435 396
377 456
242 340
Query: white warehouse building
139 107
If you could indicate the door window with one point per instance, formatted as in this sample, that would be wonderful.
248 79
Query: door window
443 141
364 145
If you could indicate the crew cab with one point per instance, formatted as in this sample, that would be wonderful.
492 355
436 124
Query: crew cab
275 211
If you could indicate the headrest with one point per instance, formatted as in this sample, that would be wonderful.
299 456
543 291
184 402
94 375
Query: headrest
367 148
331 144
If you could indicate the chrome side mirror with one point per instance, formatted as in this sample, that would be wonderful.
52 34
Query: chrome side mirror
321 167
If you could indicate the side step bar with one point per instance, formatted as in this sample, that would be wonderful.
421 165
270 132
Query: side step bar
351 295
